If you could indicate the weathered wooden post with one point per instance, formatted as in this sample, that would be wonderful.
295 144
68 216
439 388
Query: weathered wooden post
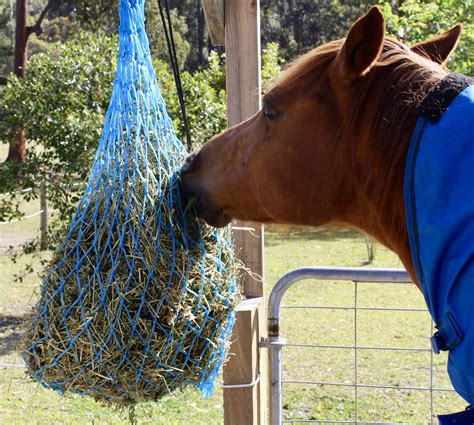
245 373
214 13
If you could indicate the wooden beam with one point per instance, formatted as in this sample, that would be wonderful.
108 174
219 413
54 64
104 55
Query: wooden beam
242 40
242 44
246 405
214 13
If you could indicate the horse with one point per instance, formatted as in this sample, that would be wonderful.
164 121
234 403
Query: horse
330 143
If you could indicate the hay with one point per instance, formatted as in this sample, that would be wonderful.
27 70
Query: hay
138 301
136 323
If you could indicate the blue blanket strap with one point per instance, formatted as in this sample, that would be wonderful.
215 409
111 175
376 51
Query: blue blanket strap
461 418
449 334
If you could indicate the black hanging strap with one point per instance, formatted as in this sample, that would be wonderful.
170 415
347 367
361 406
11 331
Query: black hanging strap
168 30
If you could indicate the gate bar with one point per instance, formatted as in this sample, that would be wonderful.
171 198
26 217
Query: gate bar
275 344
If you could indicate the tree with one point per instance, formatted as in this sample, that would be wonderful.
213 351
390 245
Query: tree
22 33
298 26
158 46
61 103
6 38
94 15
417 20
101 16
196 34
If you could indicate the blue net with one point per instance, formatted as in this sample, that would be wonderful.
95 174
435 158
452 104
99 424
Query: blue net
138 300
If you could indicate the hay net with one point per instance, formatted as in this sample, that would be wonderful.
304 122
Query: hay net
138 300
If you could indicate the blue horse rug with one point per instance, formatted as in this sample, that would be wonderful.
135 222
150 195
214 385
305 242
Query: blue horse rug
439 200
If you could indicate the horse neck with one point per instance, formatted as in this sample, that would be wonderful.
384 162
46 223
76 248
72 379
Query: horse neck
385 129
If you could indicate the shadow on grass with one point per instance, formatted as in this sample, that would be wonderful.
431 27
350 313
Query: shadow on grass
275 235
11 333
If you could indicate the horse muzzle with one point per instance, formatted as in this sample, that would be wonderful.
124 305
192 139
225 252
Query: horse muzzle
198 196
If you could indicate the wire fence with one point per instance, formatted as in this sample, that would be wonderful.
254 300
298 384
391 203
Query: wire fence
44 209
26 217
355 410
43 213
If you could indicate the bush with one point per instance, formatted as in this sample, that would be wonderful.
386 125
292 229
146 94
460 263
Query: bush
61 104
417 21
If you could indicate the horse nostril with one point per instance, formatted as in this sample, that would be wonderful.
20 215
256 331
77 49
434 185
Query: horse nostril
190 163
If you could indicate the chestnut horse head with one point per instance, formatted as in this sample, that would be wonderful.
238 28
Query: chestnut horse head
330 142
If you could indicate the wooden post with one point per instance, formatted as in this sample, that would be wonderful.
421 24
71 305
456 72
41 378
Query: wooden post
214 13
43 217
245 406
242 46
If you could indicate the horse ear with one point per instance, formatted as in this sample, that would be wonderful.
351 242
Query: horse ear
439 49
363 44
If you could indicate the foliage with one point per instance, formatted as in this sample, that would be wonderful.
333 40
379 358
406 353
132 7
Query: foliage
97 15
271 65
418 20
196 34
158 46
102 15
74 17
60 28
6 39
60 105
300 25
204 92
61 102
295 26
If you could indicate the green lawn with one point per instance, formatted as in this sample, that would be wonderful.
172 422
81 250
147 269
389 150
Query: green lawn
22 401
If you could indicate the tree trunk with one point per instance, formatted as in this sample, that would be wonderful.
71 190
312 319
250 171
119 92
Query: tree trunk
20 38
17 150
200 32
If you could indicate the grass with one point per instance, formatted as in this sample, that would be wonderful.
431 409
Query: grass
22 401
16 233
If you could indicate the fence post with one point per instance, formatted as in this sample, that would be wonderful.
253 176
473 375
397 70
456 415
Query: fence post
244 382
43 217
245 406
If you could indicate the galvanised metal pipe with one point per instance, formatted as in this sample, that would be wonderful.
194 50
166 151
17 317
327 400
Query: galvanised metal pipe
274 343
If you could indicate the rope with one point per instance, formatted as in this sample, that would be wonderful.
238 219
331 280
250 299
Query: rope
23 218
168 30
26 217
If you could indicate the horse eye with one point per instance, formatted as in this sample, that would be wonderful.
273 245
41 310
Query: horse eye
270 112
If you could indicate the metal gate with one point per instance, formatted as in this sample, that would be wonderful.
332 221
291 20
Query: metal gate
276 344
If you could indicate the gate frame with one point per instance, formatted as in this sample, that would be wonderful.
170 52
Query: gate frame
275 343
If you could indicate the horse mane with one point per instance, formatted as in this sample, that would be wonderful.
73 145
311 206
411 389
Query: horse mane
383 102
305 69
394 87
